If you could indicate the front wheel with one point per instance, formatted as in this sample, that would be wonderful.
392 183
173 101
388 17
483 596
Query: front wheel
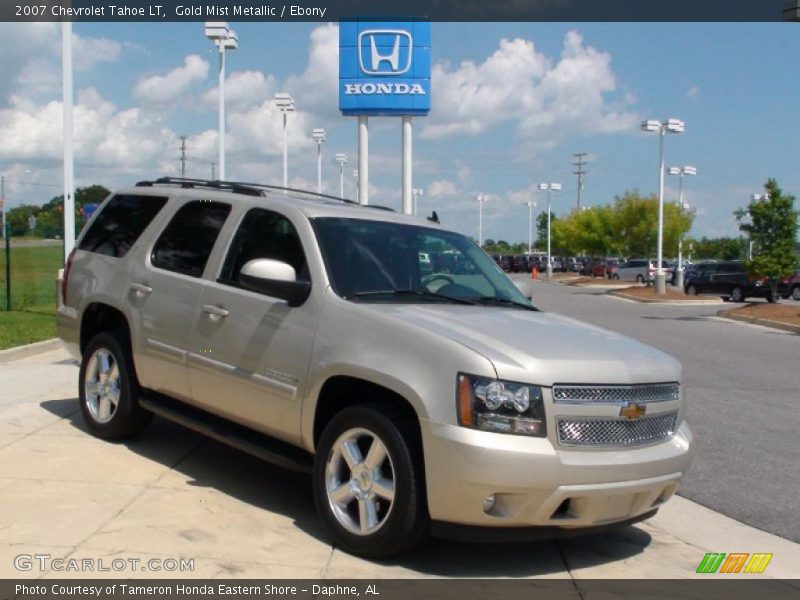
368 481
108 389
737 294
796 292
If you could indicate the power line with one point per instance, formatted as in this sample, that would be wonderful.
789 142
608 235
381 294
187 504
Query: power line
581 162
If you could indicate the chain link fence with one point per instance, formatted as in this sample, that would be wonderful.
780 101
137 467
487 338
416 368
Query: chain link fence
28 271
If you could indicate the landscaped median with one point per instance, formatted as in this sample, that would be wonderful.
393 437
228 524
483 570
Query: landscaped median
778 316
673 295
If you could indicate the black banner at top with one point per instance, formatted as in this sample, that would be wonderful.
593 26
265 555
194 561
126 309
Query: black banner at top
435 10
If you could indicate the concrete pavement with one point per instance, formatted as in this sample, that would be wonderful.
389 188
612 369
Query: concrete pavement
173 494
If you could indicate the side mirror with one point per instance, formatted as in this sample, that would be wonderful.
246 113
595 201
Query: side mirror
274 278
525 288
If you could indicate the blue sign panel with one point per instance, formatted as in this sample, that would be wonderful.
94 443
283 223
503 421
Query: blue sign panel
89 210
384 67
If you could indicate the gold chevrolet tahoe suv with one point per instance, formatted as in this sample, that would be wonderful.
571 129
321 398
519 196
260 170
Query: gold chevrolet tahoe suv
385 354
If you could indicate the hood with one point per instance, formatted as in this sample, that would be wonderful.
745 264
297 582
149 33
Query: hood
538 347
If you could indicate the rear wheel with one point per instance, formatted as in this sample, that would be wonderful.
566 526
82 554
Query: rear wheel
796 292
615 276
369 481
639 279
691 290
737 294
109 390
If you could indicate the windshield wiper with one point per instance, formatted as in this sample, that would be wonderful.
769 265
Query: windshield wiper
505 302
418 293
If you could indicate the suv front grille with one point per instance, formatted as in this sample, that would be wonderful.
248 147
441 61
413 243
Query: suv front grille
616 394
614 431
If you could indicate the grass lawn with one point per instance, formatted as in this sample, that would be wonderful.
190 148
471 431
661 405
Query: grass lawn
33 294
18 328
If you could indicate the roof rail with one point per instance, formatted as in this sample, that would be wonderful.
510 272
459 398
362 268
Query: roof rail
186 183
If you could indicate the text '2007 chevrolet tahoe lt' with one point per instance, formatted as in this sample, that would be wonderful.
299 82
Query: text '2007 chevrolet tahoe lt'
385 354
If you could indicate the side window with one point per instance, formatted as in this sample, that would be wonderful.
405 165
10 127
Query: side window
186 243
264 234
120 224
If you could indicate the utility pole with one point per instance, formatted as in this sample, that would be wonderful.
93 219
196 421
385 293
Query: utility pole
213 171
580 163
183 156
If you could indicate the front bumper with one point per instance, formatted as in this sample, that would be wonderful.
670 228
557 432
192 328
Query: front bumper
537 484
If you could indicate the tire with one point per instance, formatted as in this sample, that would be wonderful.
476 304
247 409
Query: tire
639 279
99 382
615 276
737 294
796 292
400 521
691 290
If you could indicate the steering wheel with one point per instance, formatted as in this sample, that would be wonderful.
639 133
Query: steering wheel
427 281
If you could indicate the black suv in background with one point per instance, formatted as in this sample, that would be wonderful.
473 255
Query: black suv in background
727 279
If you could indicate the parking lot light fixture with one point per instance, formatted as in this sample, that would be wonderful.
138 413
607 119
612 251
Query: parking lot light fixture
662 128
481 198
341 158
224 38
285 104
549 187
531 206
681 172
416 192
319 136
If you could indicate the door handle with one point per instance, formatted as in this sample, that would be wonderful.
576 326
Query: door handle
141 288
215 311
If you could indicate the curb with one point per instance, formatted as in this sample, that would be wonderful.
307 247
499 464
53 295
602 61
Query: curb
725 314
20 352
664 301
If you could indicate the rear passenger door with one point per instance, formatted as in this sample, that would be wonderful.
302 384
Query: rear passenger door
164 291
250 352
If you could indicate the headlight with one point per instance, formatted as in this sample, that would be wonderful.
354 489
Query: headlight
500 406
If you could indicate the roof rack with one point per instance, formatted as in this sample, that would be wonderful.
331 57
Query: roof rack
249 189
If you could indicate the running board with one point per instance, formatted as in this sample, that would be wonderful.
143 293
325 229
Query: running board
242 438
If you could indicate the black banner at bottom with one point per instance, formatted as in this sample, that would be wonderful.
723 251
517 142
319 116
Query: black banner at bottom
399 589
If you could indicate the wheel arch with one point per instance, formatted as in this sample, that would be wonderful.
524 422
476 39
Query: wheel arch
98 317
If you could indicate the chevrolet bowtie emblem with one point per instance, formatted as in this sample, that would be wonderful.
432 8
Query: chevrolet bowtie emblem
633 411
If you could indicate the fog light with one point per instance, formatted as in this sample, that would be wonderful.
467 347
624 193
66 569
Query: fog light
488 504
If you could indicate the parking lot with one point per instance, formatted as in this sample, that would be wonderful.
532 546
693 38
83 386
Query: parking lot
174 494
742 385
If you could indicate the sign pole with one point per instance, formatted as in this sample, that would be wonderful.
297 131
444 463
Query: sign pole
69 187
363 159
407 165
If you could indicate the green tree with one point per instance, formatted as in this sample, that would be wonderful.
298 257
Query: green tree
18 218
721 248
771 224
636 230
541 229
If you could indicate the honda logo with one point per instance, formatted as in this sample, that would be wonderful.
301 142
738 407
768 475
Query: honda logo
379 58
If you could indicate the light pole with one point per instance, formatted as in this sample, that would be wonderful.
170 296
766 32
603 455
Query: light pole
319 137
755 198
341 158
225 39
681 171
69 163
285 104
358 195
531 206
481 198
662 128
549 187
416 192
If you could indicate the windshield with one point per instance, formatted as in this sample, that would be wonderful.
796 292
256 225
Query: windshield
374 261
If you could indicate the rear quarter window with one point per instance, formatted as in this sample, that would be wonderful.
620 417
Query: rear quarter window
120 223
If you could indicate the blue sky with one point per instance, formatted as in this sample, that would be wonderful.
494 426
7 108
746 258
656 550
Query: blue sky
505 116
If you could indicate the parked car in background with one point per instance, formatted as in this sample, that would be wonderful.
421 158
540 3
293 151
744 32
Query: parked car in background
599 267
503 261
691 270
727 279
641 270
571 265
521 264
790 287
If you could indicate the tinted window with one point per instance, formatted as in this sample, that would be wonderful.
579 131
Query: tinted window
186 243
264 234
120 224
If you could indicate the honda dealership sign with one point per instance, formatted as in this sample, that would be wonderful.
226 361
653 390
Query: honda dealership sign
384 68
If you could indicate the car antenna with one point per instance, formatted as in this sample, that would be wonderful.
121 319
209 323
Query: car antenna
434 217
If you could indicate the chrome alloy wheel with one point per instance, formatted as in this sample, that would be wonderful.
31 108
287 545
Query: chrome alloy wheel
359 481
101 385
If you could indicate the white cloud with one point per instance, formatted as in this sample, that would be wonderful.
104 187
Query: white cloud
442 187
168 88
550 100
318 84
693 92
244 89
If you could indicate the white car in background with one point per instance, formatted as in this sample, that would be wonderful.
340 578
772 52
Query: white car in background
641 270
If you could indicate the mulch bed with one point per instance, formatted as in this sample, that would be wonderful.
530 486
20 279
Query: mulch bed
783 313
649 293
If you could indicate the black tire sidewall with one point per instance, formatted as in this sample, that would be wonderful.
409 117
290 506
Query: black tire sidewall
408 518
129 418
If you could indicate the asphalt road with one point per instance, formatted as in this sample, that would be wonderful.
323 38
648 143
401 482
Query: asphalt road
742 385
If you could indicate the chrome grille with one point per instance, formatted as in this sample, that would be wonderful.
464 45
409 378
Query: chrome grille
613 431
616 394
